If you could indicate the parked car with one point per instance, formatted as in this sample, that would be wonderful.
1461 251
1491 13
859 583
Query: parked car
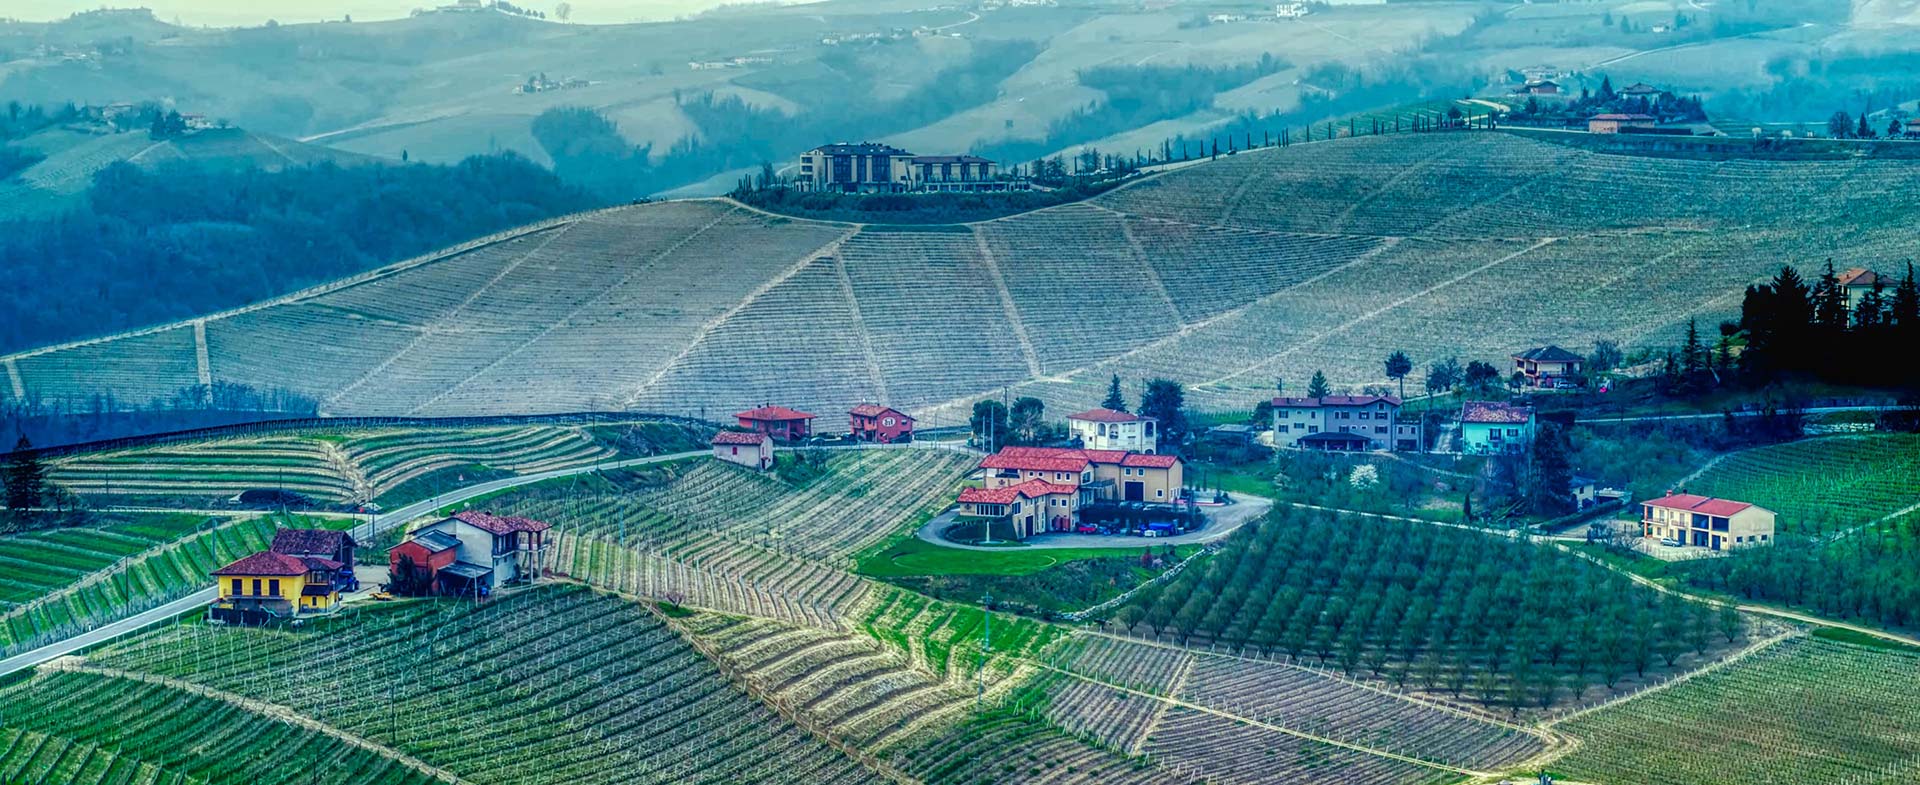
1150 533
1670 542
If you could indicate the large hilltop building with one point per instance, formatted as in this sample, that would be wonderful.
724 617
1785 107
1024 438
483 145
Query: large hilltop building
1042 489
870 167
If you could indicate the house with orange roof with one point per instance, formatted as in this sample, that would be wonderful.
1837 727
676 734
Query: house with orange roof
470 553
752 450
1108 429
1693 521
264 586
1041 489
779 422
877 424
1494 428
1858 281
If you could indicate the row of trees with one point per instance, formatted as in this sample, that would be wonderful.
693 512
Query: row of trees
1505 621
1871 575
186 239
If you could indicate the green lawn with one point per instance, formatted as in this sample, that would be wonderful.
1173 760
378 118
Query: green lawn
916 557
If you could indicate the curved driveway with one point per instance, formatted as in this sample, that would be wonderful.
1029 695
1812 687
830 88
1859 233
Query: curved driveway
1222 522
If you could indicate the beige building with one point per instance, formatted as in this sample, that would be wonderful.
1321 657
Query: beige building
1106 429
1547 367
752 450
1703 522
1041 489
1614 122
1342 423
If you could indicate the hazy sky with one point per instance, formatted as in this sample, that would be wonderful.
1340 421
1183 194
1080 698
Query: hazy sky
253 12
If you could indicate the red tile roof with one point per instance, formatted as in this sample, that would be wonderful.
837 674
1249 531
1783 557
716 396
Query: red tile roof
318 564
1859 276
1704 505
266 563
1104 415
500 524
1495 413
1062 459
299 541
875 410
1029 490
736 437
1338 400
774 414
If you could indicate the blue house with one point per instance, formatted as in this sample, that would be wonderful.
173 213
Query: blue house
1492 428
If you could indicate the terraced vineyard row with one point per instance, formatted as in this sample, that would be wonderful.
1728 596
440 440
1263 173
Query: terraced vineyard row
74 580
1297 699
1803 711
544 685
1819 486
63 727
343 468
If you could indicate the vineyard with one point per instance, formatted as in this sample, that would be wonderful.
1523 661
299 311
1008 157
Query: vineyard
390 466
1507 624
552 684
1803 711
1821 486
1224 275
62 581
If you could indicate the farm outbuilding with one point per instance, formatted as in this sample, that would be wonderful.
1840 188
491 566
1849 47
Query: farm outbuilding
752 450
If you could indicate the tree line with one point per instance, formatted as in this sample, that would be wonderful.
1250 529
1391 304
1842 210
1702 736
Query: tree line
186 239
1792 328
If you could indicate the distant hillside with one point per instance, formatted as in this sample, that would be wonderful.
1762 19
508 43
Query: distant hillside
1229 275
72 158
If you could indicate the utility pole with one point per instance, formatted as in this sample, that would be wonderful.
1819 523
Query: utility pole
986 646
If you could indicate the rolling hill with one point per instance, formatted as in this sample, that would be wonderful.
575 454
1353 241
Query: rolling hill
1226 275
72 158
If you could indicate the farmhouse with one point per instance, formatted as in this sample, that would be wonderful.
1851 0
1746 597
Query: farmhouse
1858 281
469 552
1106 429
1491 428
752 450
871 422
1641 90
1540 87
267 585
1040 489
1704 522
1343 423
1615 122
779 422
335 546
1547 367
1913 127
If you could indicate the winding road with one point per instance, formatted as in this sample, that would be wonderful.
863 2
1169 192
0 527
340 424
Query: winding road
365 533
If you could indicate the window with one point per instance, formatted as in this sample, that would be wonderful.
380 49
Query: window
1159 493
1513 431
1313 429
236 586
1282 427
736 451
256 587
273 586
1379 429
1364 415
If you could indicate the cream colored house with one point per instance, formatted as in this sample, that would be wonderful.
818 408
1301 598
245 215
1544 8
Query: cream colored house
1704 522
1341 423
1042 489
1106 429
752 450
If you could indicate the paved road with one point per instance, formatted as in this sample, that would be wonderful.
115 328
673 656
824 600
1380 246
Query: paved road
1225 520
1718 415
365 533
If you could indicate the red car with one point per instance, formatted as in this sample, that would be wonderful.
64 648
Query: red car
1088 528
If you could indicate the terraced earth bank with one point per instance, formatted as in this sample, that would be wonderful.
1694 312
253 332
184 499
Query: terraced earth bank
1225 275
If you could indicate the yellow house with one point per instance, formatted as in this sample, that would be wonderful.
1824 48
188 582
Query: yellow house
268 585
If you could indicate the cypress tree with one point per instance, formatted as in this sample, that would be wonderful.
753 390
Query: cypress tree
1114 400
26 478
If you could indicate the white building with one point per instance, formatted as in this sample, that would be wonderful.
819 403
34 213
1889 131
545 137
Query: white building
752 450
1342 423
1290 10
1106 429
1703 522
